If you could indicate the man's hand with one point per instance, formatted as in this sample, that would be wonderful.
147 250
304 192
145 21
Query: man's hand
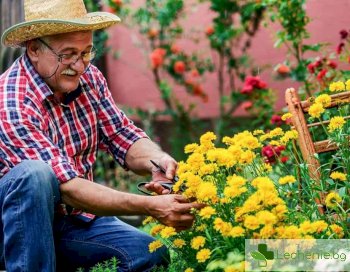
173 210
169 165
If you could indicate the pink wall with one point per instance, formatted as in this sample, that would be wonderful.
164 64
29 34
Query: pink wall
131 81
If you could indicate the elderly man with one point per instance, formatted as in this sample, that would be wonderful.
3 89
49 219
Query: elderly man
56 113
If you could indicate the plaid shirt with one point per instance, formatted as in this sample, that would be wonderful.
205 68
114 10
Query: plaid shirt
67 136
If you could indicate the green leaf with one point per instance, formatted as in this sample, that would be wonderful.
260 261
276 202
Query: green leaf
342 192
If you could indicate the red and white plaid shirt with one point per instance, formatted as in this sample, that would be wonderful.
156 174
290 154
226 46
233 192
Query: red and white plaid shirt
67 136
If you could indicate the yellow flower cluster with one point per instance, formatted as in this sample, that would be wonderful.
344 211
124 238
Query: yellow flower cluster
332 200
203 255
335 123
337 86
316 110
338 176
287 179
154 245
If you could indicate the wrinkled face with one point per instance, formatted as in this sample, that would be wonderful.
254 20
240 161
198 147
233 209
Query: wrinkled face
47 55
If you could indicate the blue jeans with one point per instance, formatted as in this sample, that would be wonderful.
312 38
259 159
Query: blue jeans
34 238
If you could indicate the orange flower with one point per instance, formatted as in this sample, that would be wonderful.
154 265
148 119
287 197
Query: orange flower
157 57
118 2
209 31
194 73
152 33
179 67
283 69
175 49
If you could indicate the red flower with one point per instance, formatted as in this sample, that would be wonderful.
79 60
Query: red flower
284 159
321 74
179 67
332 64
276 120
311 68
252 83
340 48
157 57
247 105
197 89
247 89
343 34
272 152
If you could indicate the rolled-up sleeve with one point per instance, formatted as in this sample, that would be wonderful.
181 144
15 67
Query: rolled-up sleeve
117 131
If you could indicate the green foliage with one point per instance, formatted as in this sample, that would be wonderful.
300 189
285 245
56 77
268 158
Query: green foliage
107 266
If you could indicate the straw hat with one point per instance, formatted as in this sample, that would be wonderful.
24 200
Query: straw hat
50 17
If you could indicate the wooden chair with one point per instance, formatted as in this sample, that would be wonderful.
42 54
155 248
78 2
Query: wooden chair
307 145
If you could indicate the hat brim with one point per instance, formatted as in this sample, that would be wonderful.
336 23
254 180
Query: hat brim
16 35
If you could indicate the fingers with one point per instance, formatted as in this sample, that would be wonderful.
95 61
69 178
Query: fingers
170 166
157 188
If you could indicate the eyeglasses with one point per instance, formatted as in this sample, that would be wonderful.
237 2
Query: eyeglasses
68 59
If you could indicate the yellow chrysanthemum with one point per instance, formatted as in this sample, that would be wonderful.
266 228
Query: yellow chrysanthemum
338 176
332 200
190 148
347 85
223 227
275 143
336 122
266 217
280 211
207 212
319 226
287 179
267 232
206 140
207 192
179 243
289 135
148 219
203 255
276 132
167 232
316 110
263 183
289 232
154 246
232 191
324 100
189 270
237 232
197 242
286 116
207 169
156 229
258 132
251 222
201 227
338 230
337 86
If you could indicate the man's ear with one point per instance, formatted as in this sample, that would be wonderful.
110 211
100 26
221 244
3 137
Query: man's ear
33 50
